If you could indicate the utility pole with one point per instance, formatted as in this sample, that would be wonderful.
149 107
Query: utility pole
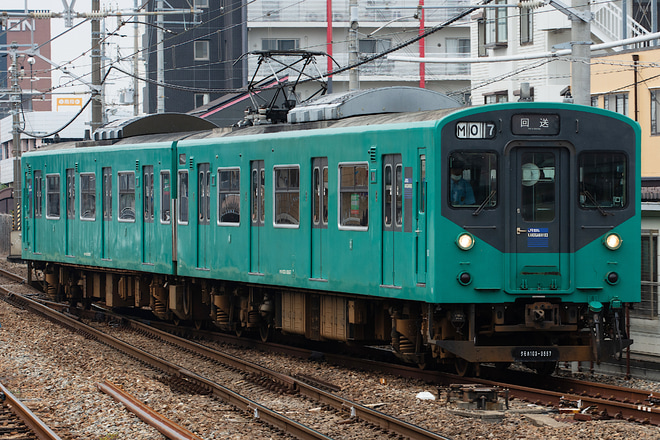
136 71
353 74
581 52
160 62
97 100
15 98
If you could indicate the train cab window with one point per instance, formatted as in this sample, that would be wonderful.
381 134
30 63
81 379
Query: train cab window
204 194
287 196
148 193
88 196
106 188
229 196
354 196
603 180
165 194
126 196
183 198
53 196
70 193
472 181
38 193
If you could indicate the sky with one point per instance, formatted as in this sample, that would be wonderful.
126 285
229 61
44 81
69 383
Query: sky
70 48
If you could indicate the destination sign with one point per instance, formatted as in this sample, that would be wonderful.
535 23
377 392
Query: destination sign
535 124
475 130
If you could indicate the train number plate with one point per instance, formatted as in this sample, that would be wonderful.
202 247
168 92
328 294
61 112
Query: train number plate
532 354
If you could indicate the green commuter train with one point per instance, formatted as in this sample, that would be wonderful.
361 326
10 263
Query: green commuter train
501 233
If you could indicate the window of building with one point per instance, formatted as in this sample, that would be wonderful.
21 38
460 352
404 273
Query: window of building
374 45
229 196
70 193
602 180
496 97
648 307
88 196
204 193
481 37
594 101
165 194
457 47
201 3
287 195
107 193
354 196
280 43
53 196
655 104
472 179
183 197
617 102
201 99
201 49
496 25
38 193
148 193
126 196
526 26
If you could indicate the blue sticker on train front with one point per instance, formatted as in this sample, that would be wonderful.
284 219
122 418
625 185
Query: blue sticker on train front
538 237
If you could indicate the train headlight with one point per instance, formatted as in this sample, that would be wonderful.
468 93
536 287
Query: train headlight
612 241
465 241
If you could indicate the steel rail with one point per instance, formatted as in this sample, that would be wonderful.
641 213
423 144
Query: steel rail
39 428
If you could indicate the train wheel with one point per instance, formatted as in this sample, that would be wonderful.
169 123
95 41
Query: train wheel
264 332
463 367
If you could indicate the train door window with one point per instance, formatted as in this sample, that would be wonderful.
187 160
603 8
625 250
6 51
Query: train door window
107 193
472 181
183 198
28 195
38 193
126 196
287 196
204 188
229 196
398 196
53 196
70 193
422 186
88 196
165 194
602 180
387 177
148 193
538 187
320 214
258 181
354 196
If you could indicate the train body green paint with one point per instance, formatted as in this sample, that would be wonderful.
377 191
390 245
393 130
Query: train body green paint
365 211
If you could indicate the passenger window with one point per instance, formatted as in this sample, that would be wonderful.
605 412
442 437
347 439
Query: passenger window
165 195
183 197
472 179
229 196
38 193
88 196
287 196
148 193
107 193
204 196
354 196
126 196
70 193
603 180
53 196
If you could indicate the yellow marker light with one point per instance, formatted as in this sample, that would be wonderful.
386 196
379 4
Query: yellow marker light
612 241
465 241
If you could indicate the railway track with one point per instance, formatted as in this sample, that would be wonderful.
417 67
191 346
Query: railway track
17 422
378 422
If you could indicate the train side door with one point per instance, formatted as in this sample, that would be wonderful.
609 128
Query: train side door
203 212
319 215
541 219
257 213
70 209
420 230
106 189
148 225
392 215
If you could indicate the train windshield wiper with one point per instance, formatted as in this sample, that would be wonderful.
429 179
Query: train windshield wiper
484 203
600 209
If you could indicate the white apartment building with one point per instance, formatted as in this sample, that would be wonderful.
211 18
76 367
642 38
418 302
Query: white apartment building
382 24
